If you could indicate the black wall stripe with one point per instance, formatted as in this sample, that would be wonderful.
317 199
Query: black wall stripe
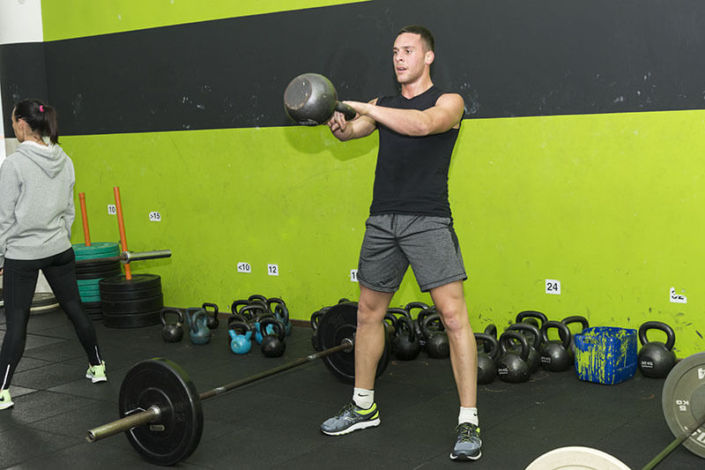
506 57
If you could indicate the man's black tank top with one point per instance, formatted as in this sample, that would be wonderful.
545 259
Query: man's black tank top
412 172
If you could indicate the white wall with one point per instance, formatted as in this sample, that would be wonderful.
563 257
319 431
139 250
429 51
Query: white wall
20 21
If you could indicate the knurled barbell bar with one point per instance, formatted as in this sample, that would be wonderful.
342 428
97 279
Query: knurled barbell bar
160 408
127 257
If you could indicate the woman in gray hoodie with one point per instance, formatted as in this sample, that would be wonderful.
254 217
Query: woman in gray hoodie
36 214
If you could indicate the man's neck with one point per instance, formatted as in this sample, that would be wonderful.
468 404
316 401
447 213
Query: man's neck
415 88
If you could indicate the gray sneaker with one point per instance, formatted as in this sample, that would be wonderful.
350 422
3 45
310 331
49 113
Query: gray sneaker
351 418
468 446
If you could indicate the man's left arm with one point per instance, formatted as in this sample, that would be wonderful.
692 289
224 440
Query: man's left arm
441 117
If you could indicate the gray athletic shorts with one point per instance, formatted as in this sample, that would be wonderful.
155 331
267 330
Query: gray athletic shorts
393 241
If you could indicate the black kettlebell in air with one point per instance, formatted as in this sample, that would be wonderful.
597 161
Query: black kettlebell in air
656 359
555 355
310 99
212 312
172 332
533 336
511 365
405 344
437 344
486 361
273 344
584 326
532 317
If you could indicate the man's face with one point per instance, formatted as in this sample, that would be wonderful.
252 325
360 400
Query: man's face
410 57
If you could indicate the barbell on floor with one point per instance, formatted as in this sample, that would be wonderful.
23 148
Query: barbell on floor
127 257
160 408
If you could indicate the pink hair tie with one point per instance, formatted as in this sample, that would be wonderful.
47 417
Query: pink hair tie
41 108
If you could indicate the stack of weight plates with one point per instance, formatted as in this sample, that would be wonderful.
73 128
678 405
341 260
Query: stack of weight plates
131 303
90 274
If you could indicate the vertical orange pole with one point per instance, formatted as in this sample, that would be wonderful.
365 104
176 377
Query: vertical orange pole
84 219
121 226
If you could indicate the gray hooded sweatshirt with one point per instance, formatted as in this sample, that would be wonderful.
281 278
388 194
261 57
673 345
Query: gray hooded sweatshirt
36 202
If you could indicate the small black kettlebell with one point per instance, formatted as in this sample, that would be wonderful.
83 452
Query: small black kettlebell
212 312
491 330
555 354
273 344
533 337
656 359
405 344
511 365
437 344
486 365
172 332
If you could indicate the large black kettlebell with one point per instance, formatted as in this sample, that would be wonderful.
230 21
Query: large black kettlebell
405 344
273 344
212 312
527 329
511 365
437 344
172 332
486 361
531 317
656 359
584 325
310 99
555 355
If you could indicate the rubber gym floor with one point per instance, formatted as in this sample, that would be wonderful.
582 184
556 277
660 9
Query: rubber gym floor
273 423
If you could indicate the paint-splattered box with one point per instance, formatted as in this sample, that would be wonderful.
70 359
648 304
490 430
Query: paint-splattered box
605 354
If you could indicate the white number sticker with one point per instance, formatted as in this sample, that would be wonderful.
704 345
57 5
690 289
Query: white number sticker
243 267
553 287
353 275
112 210
273 269
155 216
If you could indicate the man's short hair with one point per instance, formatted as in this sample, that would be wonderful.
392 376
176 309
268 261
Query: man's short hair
425 34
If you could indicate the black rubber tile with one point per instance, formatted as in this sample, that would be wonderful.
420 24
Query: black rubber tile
50 375
52 349
19 443
41 405
29 363
104 391
88 456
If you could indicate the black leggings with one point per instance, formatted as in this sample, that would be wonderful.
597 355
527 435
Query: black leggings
19 283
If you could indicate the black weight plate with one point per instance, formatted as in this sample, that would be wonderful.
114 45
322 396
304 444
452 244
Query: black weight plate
337 324
100 275
683 401
177 432
149 304
119 284
137 320
131 295
94 265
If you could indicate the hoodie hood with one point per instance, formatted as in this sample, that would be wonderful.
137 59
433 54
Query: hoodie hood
51 159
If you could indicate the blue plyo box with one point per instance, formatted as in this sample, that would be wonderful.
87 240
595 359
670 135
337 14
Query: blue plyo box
606 354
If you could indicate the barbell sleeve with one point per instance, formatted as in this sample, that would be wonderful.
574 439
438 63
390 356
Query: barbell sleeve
124 424
127 257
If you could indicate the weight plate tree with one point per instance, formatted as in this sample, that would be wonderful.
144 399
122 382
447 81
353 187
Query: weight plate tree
160 408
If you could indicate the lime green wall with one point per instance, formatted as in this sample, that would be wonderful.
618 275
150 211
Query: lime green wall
76 18
610 205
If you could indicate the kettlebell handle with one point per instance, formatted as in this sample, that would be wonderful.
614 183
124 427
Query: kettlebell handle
563 332
491 341
657 325
174 311
531 314
531 329
507 336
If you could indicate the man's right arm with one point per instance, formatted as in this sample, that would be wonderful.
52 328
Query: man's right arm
343 130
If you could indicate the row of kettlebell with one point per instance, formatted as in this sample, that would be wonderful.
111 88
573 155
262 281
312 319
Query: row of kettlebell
407 336
264 320
199 323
